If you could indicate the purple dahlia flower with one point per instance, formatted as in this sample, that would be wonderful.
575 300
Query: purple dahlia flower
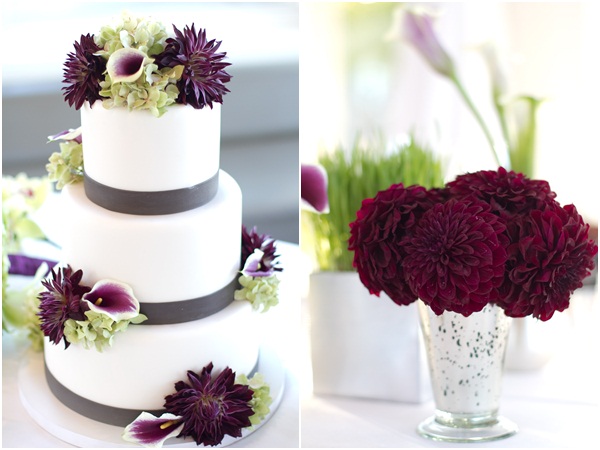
83 72
211 407
61 301
376 234
251 241
508 193
548 259
455 259
204 76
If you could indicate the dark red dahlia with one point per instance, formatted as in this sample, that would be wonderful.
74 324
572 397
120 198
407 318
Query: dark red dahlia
508 193
61 301
251 241
548 259
83 72
455 259
204 76
211 407
375 237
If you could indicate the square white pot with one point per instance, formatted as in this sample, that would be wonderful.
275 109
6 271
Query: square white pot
362 345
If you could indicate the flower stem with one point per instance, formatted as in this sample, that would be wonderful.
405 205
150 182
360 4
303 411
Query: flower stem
478 117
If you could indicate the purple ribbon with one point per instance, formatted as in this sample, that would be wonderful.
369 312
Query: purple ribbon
26 265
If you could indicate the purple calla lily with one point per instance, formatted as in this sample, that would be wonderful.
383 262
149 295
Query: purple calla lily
253 266
418 30
67 135
314 188
114 299
150 431
126 65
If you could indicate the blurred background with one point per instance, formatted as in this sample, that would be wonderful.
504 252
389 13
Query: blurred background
360 77
259 145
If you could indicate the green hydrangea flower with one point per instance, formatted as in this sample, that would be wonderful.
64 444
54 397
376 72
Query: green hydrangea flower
66 167
262 292
97 331
155 90
142 33
20 308
21 197
261 399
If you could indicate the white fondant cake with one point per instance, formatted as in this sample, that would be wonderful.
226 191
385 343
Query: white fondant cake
152 319
140 152
163 258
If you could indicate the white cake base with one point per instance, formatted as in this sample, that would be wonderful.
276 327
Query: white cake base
81 431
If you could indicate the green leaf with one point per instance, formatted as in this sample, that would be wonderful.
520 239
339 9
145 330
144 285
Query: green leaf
27 228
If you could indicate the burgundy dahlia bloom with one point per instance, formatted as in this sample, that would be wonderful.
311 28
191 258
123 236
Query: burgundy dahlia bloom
375 237
83 72
251 241
508 193
61 301
455 259
549 257
211 408
204 76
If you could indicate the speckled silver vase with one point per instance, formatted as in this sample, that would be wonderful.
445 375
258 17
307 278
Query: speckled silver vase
466 363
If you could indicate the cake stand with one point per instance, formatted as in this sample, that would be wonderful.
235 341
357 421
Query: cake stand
81 431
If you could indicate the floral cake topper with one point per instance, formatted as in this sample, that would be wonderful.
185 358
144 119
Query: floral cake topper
135 64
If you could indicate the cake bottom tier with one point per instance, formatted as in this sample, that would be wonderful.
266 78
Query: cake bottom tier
145 361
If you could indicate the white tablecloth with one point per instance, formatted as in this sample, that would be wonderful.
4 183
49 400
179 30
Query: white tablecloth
554 406
281 431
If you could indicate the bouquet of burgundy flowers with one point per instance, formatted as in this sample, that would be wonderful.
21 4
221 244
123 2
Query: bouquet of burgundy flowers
486 237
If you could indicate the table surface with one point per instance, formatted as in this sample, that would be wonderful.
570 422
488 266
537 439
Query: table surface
280 431
555 405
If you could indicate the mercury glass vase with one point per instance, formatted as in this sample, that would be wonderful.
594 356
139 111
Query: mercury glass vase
466 364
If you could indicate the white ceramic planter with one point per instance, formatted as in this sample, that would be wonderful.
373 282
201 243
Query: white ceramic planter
363 345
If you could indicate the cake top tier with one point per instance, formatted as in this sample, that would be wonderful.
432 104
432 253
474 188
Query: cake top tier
136 64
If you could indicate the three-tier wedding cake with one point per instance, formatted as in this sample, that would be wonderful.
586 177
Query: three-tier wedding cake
152 311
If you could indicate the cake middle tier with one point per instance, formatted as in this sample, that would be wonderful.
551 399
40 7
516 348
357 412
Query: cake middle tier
166 258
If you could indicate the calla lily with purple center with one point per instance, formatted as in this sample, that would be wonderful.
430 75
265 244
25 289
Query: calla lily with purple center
150 431
253 266
314 188
418 30
113 299
126 65
67 135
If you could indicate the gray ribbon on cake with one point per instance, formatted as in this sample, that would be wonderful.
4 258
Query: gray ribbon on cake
110 415
188 310
150 203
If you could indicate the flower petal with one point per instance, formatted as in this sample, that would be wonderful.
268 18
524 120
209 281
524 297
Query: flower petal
150 431
253 266
418 30
67 135
314 188
114 299
125 65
